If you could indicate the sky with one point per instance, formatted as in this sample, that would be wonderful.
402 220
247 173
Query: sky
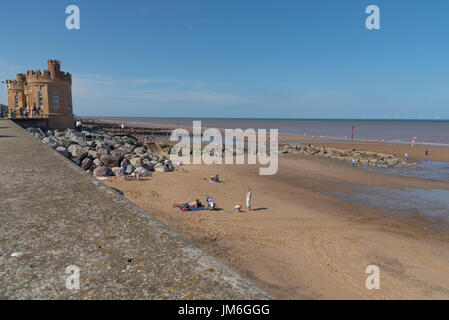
238 58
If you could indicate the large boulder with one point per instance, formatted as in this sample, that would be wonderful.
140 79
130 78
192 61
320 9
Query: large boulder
143 172
79 140
110 142
100 145
97 162
382 164
140 150
76 161
118 153
63 151
77 152
146 163
392 162
69 133
102 151
109 161
86 163
91 144
136 162
65 142
116 170
146 155
59 134
51 142
93 154
101 171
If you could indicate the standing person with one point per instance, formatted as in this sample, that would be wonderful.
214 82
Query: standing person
124 163
78 125
427 152
406 156
249 195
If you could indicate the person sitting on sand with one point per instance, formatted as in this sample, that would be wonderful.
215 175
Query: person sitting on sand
210 203
237 209
137 174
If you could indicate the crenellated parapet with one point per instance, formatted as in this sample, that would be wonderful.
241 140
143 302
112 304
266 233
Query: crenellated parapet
45 93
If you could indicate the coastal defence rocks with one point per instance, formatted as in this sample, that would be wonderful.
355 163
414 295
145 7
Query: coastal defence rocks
100 153
360 158
108 151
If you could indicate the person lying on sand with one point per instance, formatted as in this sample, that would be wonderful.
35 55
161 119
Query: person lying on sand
193 204
215 179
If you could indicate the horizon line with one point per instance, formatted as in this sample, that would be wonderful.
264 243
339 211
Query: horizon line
255 118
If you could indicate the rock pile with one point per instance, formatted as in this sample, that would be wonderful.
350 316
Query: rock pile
101 153
360 158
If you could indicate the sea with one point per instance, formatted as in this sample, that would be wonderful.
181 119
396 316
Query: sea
430 132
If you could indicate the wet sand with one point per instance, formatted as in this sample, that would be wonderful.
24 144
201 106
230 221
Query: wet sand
300 242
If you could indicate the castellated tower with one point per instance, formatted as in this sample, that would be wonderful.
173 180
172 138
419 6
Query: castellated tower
49 92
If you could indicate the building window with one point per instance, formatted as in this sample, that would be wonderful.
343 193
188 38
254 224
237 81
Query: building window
56 100
39 94
17 101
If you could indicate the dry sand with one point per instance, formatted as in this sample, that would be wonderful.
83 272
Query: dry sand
299 242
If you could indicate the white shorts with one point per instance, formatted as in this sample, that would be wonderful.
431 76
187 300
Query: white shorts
248 203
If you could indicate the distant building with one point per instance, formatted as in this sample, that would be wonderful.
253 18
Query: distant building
43 95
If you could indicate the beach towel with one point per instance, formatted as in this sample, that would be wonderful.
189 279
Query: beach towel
201 208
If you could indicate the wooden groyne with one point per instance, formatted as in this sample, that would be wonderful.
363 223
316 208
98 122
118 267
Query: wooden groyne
134 130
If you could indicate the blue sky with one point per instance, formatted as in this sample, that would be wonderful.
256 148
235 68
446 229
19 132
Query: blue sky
247 58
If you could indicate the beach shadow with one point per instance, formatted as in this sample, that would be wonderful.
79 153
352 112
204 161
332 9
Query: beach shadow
7 136
259 209
117 190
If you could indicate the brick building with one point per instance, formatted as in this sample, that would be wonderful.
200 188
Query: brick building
43 95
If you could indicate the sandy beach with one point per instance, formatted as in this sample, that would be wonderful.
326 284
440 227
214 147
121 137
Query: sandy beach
300 242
